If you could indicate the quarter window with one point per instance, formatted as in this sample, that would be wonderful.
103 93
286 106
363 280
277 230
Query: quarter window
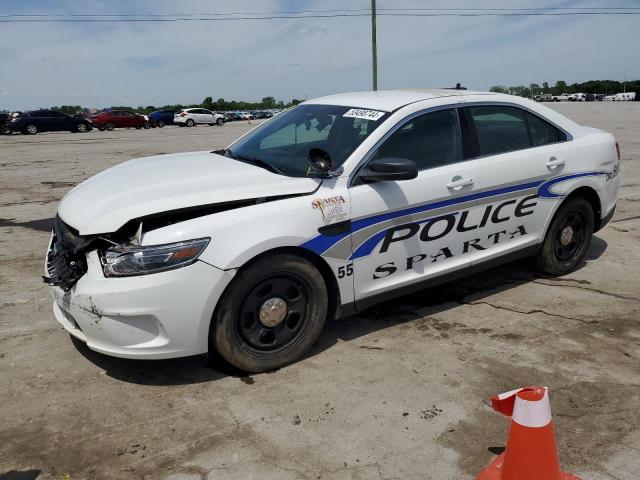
543 133
430 140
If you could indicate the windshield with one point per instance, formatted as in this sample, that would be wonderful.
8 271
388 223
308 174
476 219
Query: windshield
285 141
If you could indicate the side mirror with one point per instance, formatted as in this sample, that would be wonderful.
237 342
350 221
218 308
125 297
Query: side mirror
389 169
319 160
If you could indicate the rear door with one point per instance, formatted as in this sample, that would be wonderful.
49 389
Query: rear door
518 152
407 232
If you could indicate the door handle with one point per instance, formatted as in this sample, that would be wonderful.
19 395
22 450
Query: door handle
458 182
554 162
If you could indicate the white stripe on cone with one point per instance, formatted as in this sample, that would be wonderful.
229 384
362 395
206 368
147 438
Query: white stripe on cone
511 393
532 414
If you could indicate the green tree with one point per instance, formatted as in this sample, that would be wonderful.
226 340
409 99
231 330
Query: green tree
535 89
208 103
545 87
499 89
560 87
268 102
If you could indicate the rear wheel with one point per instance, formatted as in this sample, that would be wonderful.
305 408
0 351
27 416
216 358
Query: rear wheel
271 314
81 128
30 129
109 126
568 238
190 123
220 122
160 124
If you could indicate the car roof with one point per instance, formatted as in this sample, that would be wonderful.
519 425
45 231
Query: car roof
389 100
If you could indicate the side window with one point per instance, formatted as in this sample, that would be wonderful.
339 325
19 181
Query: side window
500 129
543 133
430 140
39 113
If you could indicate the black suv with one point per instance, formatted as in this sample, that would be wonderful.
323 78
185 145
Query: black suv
36 121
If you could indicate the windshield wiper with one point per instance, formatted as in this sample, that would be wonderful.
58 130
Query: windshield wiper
255 161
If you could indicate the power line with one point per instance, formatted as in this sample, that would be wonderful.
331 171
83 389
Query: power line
280 17
334 11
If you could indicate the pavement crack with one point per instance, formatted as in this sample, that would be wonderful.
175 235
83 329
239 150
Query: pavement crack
595 290
529 312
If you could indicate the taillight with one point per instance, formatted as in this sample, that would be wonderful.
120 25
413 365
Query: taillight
618 150
183 114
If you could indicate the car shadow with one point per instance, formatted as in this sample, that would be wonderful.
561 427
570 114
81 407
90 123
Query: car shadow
408 308
20 475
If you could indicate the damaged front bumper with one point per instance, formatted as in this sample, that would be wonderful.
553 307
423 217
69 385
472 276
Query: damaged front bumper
161 315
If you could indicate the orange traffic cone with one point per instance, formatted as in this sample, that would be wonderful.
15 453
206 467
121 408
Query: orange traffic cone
531 452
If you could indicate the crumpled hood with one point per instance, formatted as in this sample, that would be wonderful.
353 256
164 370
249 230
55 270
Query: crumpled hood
145 186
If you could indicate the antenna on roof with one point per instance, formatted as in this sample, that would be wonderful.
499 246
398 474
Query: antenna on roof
457 87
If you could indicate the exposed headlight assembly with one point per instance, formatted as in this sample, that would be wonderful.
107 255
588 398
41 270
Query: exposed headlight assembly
130 260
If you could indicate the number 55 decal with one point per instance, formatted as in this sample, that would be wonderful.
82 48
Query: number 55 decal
345 271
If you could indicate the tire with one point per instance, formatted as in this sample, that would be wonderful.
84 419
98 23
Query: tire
146 125
109 126
568 238
190 122
101 129
287 281
160 124
30 129
82 128
138 127
220 122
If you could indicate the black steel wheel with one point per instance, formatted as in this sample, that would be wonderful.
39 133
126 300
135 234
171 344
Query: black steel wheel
271 313
568 237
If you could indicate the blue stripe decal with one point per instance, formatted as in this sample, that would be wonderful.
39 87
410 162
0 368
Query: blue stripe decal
322 243
365 222
545 189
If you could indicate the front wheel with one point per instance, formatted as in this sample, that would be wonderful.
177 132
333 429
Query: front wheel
271 314
160 124
190 123
109 127
220 122
568 238
30 129
81 128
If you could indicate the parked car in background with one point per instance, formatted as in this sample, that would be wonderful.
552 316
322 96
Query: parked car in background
36 121
228 117
162 117
118 119
4 123
563 97
578 97
191 117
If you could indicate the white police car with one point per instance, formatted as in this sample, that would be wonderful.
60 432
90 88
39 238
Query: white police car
324 210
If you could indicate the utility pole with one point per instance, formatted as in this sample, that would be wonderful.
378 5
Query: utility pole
374 47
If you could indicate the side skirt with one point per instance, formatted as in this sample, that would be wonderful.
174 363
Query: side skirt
353 308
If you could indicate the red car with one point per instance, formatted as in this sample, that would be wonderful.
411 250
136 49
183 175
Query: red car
118 119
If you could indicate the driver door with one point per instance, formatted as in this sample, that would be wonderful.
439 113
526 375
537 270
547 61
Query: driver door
410 231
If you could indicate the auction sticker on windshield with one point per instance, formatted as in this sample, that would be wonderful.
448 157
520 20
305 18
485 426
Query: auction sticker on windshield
365 114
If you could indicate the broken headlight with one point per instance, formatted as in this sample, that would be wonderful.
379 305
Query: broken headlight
129 260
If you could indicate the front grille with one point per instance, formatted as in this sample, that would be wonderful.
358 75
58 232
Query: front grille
66 260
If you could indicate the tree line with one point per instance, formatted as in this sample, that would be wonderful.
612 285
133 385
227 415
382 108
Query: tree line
607 87
219 105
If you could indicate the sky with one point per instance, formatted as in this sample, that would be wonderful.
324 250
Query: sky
99 65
